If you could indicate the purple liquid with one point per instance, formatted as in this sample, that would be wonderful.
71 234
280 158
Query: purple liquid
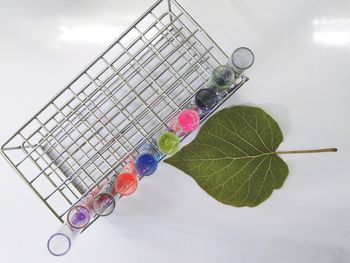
79 217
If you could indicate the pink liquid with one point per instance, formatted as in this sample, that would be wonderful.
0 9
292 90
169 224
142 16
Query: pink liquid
188 120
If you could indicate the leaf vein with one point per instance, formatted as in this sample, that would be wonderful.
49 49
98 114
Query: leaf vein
220 138
256 132
263 183
238 136
239 189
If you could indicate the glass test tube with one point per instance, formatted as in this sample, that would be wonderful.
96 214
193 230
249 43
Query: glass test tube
186 121
79 216
241 59
104 202
60 242
222 78
146 163
127 181
168 143
205 100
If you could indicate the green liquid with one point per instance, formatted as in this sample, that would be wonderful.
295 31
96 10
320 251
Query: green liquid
168 143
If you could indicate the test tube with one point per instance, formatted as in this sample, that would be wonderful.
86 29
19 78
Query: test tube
104 202
205 100
186 121
222 78
79 216
127 181
168 143
124 184
60 242
241 59
146 163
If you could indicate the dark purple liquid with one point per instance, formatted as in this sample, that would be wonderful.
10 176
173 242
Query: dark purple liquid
206 99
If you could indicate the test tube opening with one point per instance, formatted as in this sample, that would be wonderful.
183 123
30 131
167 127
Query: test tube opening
103 204
59 244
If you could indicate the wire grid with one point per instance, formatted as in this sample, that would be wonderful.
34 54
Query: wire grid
121 101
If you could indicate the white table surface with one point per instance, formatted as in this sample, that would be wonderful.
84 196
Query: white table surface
301 77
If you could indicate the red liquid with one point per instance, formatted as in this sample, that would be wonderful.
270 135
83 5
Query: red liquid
125 183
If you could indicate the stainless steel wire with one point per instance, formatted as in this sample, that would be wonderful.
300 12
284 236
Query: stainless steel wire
124 99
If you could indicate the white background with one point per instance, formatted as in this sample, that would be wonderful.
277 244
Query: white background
301 77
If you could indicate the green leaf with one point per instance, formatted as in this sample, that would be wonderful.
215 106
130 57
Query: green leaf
234 158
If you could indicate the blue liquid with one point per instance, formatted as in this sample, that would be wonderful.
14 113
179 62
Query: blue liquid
146 164
151 149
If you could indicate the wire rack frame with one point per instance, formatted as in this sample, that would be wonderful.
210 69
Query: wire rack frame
123 100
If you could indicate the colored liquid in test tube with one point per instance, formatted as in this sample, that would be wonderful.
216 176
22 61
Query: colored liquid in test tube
79 216
206 99
146 163
186 121
104 202
168 143
222 78
127 181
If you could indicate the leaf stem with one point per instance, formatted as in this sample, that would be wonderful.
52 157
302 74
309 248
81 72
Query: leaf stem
308 151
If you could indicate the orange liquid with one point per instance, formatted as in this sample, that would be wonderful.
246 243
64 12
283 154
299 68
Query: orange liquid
125 183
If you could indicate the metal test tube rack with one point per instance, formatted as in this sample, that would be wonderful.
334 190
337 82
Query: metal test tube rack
124 99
